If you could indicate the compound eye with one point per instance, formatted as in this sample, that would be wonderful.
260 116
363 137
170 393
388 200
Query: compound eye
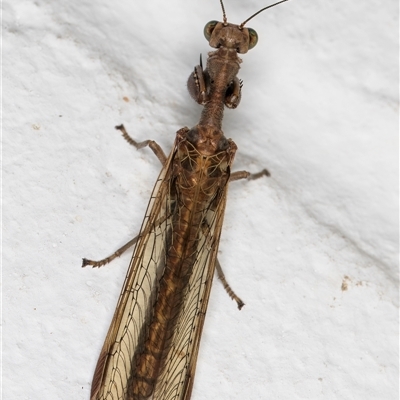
253 38
208 29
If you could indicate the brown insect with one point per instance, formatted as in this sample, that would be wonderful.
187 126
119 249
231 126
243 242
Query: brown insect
151 348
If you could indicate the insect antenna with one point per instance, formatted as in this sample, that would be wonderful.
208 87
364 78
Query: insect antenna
223 13
258 12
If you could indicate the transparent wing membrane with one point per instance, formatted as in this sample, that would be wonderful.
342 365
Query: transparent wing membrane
151 348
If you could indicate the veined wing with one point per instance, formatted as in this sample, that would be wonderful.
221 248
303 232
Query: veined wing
177 375
124 337
115 375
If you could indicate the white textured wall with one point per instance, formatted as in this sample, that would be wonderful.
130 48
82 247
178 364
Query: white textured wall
319 109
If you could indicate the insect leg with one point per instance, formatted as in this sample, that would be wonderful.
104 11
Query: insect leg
225 284
121 250
157 150
221 276
232 294
118 253
235 176
233 94
198 84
